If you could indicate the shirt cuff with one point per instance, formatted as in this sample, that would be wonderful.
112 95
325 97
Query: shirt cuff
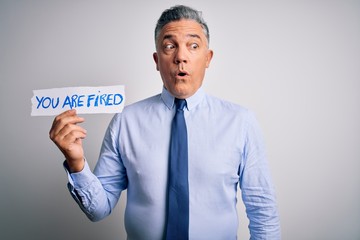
80 179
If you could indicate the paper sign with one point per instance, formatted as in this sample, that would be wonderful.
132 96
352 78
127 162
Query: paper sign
103 99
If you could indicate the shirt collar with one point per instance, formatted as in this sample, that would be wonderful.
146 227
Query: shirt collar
191 102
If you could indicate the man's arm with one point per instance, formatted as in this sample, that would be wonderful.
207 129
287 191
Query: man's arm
257 188
91 194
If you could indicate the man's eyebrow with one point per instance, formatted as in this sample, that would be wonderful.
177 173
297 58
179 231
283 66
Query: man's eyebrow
194 36
170 36
167 36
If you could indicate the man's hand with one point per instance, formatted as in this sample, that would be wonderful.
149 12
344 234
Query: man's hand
67 136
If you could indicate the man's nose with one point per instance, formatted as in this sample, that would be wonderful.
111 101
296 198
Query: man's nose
181 55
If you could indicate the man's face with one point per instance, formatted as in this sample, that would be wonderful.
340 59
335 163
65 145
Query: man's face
181 56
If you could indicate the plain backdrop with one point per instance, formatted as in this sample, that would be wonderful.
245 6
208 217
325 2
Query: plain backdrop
296 64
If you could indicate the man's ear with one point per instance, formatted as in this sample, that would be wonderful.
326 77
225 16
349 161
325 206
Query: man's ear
156 59
209 56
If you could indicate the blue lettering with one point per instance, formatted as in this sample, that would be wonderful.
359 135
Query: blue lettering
95 100
90 97
80 101
120 99
73 100
67 101
109 99
102 98
43 102
39 101
46 102
57 102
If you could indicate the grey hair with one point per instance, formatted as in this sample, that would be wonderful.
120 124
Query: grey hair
177 13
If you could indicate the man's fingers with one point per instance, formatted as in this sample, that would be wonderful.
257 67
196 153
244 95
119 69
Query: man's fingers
64 115
64 120
72 138
69 134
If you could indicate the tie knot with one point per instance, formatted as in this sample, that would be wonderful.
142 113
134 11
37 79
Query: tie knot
180 103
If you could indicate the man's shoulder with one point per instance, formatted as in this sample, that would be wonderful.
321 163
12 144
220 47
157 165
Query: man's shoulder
144 103
138 109
226 105
225 109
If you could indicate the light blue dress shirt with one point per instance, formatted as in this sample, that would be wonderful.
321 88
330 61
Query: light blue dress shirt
225 150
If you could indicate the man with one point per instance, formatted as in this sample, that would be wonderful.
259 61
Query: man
223 149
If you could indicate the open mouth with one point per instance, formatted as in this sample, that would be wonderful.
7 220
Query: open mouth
182 74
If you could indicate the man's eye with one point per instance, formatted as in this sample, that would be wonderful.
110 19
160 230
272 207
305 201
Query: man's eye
169 46
194 46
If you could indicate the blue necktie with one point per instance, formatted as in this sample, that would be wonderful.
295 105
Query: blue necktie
178 187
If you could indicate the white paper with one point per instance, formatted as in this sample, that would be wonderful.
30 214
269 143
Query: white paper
102 99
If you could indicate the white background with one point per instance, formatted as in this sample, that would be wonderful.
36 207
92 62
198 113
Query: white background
296 64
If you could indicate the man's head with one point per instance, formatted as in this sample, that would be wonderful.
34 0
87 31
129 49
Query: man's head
177 13
182 50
